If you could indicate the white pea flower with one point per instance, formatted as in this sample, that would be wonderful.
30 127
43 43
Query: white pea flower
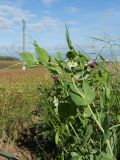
72 64
23 68
55 101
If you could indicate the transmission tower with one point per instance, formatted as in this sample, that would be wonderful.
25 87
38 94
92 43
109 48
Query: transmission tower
24 27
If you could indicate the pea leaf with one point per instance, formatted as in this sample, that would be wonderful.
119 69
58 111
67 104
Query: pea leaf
87 93
76 98
29 58
53 61
59 56
71 54
105 156
68 39
43 56
67 109
87 112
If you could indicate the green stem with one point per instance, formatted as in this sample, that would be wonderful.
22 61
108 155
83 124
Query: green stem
74 131
77 88
109 146
94 117
118 125
63 86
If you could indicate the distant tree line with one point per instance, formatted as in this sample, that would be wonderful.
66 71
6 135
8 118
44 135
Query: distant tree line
8 58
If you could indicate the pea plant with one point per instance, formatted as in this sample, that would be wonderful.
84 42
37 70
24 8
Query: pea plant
84 112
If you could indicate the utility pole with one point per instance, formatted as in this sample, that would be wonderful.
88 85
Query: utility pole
24 27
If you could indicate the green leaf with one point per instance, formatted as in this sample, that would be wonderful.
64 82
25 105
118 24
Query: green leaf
57 138
118 118
86 92
88 133
73 88
107 92
62 64
55 69
59 56
68 39
106 122
102 58
67 109
87 112
89 93
105 156
74 154
29 58
53 61
77 99
71 54
43 56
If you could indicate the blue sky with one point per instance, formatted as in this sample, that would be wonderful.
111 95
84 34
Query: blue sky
46 19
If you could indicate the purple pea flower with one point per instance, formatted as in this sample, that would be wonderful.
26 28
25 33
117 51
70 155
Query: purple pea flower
55 78
92 63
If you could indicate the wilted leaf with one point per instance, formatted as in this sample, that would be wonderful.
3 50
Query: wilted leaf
7 155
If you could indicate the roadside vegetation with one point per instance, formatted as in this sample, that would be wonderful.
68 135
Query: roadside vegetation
63 108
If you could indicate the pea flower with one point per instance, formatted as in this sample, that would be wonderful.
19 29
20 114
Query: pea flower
55 78
72 64
92 63
55 101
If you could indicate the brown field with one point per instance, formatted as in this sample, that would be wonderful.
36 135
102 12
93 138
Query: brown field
11 72
113 67
6 64
19 96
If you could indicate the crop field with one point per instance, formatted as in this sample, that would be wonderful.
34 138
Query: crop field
18 97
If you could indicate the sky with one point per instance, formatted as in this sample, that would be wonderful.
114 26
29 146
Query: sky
46 19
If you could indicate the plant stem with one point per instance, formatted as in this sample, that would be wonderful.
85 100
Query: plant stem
74 131
94 117
118 125
109 146
77 88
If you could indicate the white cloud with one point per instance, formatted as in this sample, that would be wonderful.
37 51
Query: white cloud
45 23
72 9
48 2
11 15
4 24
